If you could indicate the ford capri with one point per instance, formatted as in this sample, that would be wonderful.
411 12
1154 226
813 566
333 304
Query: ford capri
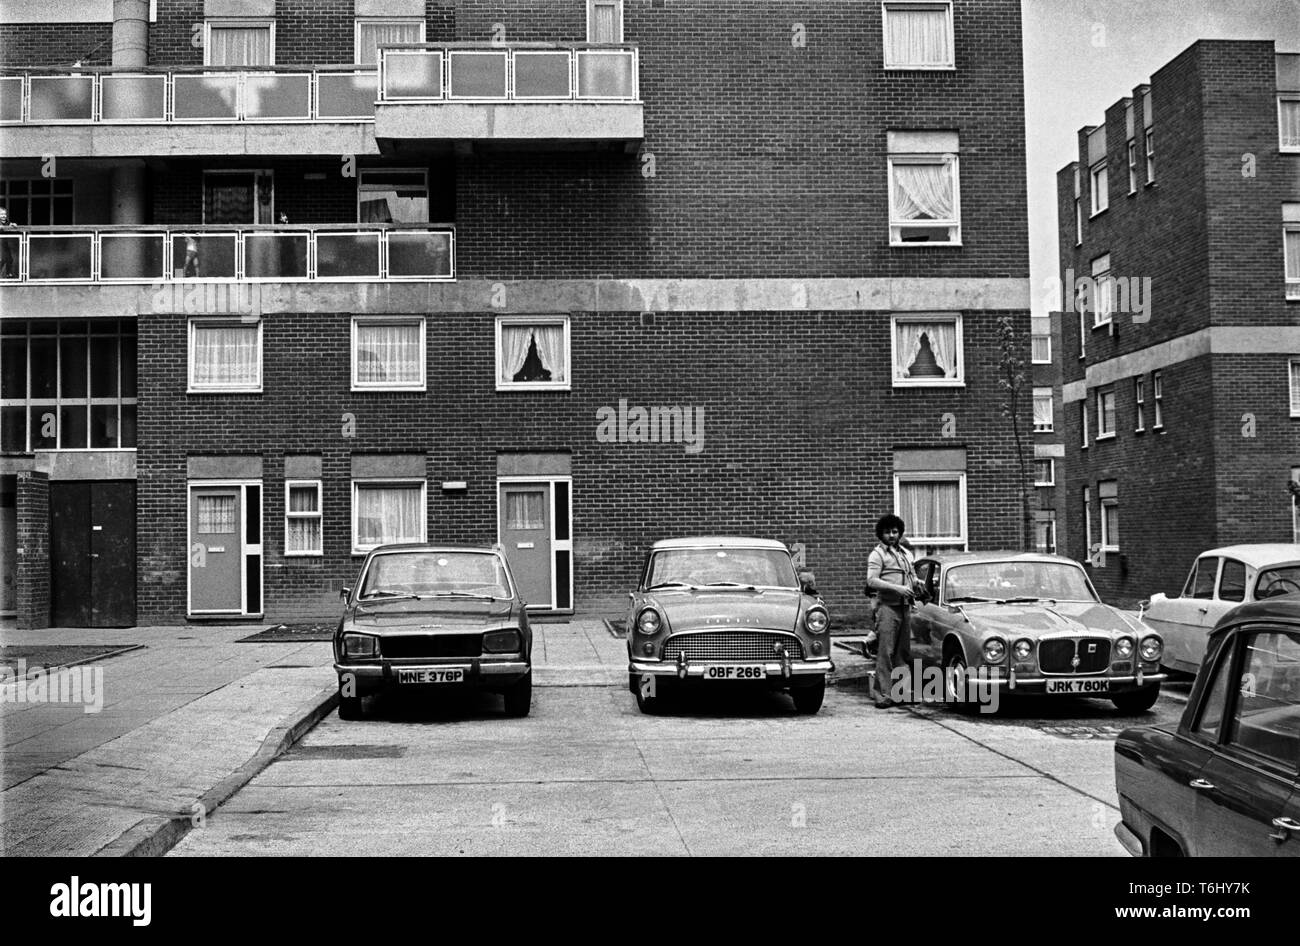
721 611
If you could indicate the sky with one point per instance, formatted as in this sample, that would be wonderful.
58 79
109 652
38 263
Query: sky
1081 56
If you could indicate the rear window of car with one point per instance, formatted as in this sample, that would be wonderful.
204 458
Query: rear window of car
1203 581
1232 583
1283 580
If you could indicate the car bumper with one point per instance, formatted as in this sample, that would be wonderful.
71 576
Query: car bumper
488 674
1038 684
776 670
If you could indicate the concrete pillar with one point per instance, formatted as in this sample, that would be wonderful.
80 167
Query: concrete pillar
130 50
33 502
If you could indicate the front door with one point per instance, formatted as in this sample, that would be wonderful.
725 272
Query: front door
525 511
216 549
92 554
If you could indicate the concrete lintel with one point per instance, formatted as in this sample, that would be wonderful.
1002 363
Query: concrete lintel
510 121
1048 450
88 464
412 8
191 140
238 8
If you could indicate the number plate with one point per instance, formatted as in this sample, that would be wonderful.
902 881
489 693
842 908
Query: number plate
432 675
1078 686
735 672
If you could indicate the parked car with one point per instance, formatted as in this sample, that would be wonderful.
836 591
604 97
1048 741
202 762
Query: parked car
1031 623
1220 580
720 610
422 618
1226 780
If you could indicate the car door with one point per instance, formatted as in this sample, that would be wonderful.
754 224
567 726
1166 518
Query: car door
1180 620
923 611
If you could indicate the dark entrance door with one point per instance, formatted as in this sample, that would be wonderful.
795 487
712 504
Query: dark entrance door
92 554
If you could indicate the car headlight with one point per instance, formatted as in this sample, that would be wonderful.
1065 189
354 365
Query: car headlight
1023 649
1124 647
648 621
1152 648
360 645
995 650
816 620
502 642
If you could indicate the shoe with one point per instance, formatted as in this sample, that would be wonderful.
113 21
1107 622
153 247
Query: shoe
885 704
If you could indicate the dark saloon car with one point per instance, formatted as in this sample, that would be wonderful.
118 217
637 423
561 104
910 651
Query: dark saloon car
720 610
423 618
1226 780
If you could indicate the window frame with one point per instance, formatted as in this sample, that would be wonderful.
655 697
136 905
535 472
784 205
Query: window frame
1294 99
1291 281
227 322
1157 395
1223 569
956 319
1293 385
380 482
8 198
1109 503
1103 291
1149 140
1098 205
1050 523
359 21
361 175
1051 471
1087 521
960 543
1078 206
228 22
591 18
504 320
1139 404
885 53
1083 418
1295 507
953 225
423 385
1040 361
1040 393
1105 432
318 515
1132 166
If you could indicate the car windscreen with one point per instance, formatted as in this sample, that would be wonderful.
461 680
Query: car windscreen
762 568
1282 580
432 573
1001 580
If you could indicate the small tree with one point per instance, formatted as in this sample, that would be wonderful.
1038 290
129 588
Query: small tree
1013 375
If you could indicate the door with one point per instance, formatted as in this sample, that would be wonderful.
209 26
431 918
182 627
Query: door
525 511
92 554
1181 620
216 549
235 197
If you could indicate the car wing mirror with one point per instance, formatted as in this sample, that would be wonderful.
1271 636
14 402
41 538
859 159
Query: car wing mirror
344 593
807 581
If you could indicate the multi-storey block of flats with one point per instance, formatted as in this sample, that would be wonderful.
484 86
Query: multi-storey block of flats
1180 252
291 279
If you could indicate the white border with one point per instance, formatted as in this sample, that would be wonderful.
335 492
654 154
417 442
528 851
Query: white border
1093 190
1051 429
957 382
191 387
423 483
357 23
1107 503
1102 432
1051 466
362 172
566 385
591 18
901 225
392 385
318 515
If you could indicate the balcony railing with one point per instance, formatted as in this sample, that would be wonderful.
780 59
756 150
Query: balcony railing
477 72
338 253
203 94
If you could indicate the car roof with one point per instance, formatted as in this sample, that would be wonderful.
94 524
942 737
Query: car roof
1283 608
718 541
426 547
967 558
1257 556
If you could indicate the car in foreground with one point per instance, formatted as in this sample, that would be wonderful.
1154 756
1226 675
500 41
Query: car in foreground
717 611
1226 779
1220 580
423 618
1030 623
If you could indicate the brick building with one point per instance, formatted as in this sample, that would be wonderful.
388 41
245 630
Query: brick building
1048 510
1180 233
570 275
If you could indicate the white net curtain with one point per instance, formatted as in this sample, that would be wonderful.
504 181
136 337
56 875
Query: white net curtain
1043 410
931 509
924 191
303 520
389 353
1290 119
226 356
371 35
525 510
942 338
244 45
388 513
516 341
918 36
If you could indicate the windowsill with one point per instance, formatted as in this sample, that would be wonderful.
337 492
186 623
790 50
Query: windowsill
304 554
1149 184
907 67
1040 362
1098 213
256 390
1157 428
372 389
912 244
533 387
904 383
1097 325
1100 437
1044 484
1139 430
1108 549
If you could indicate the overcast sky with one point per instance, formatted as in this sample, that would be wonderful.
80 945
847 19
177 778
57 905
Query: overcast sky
1083 55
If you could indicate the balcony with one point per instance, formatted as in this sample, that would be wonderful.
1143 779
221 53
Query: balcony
189 112
520 95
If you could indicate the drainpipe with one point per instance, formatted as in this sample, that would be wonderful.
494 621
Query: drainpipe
130 50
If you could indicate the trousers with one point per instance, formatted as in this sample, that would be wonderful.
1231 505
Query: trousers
894 639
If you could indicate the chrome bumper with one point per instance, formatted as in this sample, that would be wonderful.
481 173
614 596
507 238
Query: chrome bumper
475 669
1015 681
775 668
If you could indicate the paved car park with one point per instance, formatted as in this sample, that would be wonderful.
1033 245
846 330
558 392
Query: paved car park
720 773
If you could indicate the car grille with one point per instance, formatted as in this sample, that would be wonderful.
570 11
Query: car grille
431 645
1055 656
732 646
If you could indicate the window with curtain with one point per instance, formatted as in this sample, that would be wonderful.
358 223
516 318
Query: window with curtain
370 34
1110 524
1100 188
1139 400
1105 414
525 510
1295 388
931 507
225 356
1291 245
927 351
1103 291
393 196
532 354
302 518
604 21
1043 410
1288 120
1132 166
923 205
1044 472
386 512
240 44
1042 349
215 514
1151 156
918 35
1157 395
388 354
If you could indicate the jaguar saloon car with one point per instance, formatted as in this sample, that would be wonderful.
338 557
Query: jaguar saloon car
1030 623
1220 580
1225 781
423 618
721 611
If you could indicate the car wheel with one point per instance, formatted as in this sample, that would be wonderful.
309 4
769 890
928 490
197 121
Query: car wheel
1136 701
645 702
808 699
955 690
350 708
519 697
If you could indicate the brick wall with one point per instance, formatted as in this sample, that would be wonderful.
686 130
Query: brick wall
48 45
33 573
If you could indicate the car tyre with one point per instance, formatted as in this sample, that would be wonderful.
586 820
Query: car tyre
808 699
650 705
1136 701
519 697
954 670
350 708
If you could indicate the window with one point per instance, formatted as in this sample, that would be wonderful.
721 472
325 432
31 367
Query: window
1042 349
1109 520
1212 710
1045 533
1202 580
302 517
1083 334
215 514
1151 157
1078 209
239 43
393 195
225 356
918 35
1291 249
1264 719
604 21
1087 519
1044 471
37 202
371 33
1232 581
1099 187
1105 414
1282 580
924 202
235 197
388 354
1083 420
1288 122
927 351
387 511
1295 387
934 507
1157 391
1132 166
1139 395
533 353
1102 291
67 385
525 510
1043 411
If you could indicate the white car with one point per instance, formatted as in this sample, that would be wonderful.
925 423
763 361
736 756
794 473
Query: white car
1220 580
